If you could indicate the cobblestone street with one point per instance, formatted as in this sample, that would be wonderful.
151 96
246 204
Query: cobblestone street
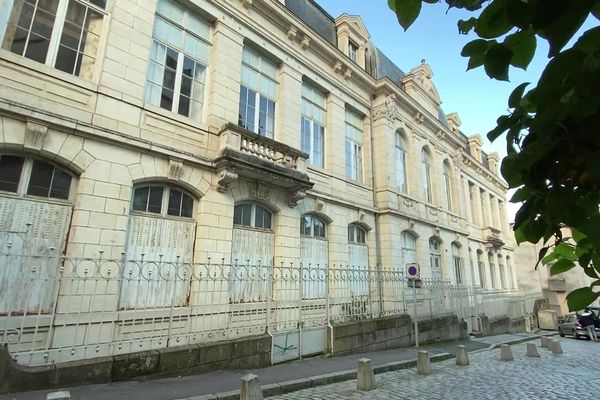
573 374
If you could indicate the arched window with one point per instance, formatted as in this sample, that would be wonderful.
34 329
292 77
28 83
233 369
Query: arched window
435 256
356 234
401 180
312 226
163 200
426 175
502 271
252 215
448 185
492 270
409 248
27 176
511 284
458 267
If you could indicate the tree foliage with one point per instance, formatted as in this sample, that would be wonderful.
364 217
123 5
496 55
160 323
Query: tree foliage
552 131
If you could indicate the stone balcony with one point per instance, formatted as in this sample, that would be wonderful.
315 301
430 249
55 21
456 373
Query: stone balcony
493 237
245 154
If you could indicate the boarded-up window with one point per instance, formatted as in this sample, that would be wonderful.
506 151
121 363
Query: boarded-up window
313 256
358 258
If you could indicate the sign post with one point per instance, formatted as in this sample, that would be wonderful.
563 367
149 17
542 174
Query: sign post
414 281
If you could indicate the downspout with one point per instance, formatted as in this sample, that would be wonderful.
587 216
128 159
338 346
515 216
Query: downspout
377 232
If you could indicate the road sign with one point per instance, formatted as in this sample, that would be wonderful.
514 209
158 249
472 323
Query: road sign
413 271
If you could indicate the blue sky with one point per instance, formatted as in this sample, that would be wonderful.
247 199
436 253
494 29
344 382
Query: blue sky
434 37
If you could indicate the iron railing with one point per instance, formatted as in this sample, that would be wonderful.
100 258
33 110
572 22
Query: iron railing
55 308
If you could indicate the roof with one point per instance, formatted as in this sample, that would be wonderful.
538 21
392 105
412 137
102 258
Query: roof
315 17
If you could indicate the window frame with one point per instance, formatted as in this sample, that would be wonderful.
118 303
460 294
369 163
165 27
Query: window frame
56 33
492 270
448 186
352 149
458 264
355 236
25 179
184 31
435 254
426 172
252 225
313 123
313 219
164 202
353 51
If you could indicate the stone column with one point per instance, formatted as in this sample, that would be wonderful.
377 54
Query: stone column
223 84
289 102
360 56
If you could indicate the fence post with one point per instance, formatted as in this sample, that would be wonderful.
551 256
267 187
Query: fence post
300 296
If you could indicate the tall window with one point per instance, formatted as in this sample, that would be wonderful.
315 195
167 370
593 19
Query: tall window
352 50
426 175
481 269
313 121
448 186
354 143
492 270
64 34
472 202
484 216
458 267
511 284
502 271
178 59
258 92
409 248
401 163
435 255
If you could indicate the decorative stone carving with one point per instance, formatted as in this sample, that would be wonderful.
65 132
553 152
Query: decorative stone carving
35 134
247 3
175 170
226 177
292 32
298 195
337 67
305 43
388 109
419 118
347 73
319 204
361 215
258 190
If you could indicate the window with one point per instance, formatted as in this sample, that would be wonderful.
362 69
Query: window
435 255
401 163
252 215
484 218
354 141
352 51
426 175
409 248
33 177
502 273
472 202
258 92
64 34
448 186
481 268
178 59
458 268
492 270
312 226
511 284
313 121
356 234
163 200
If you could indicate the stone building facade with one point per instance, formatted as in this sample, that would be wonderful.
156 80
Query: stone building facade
239 131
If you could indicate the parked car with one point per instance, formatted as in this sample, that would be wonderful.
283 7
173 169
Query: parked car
570 325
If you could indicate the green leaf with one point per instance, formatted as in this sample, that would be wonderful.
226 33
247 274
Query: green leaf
522 44
519 13
517 95
476 51
493 21
549 258
465 26
566 19
406 11
497 61
561 266
521 194
581 298
541 255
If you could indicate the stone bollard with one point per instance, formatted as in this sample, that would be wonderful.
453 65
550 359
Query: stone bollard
545 342
65 395
556 347
423 363
250 389
505 353
365 377
532 350
462 358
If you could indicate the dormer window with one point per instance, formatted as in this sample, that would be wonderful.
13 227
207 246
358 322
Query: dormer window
352 51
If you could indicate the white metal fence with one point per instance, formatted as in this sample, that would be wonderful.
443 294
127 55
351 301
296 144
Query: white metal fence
55 309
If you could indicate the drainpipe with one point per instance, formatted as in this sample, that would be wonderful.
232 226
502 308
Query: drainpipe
377 232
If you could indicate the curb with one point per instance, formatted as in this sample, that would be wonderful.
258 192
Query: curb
276 389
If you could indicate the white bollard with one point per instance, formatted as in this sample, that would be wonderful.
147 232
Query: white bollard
556 347
365 377
64 395
423 363
532 350
250 389
462 358
505 353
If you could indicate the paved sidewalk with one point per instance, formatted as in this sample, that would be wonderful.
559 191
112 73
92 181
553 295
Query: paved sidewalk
223 381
